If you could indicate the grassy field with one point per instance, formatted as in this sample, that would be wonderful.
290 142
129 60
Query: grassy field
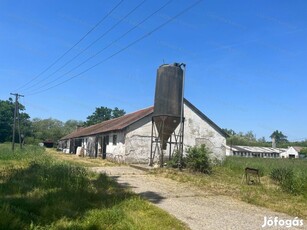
41 191
226 179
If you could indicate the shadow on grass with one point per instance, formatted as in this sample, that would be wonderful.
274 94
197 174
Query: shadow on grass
152 196
46 192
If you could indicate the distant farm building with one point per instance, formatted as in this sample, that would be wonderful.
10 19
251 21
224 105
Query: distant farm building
263 152
128 138
292 152
48 143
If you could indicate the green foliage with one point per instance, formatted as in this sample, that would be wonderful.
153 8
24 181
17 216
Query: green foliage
245 139
50 129
230 132
118 112
47 129
303 152
38 191
290 181
289 174
103 114
281 175
249 139
71 125
198 160
175 161
7 117
279 137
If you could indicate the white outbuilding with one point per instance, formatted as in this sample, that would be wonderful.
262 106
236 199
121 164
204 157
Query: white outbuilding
291 152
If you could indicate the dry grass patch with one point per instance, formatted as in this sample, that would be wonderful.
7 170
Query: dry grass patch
80 161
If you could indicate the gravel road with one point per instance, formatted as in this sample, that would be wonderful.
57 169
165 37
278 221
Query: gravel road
193 206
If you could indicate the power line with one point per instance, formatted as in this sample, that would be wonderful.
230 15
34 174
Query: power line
99 38
123 49
110 44
81 39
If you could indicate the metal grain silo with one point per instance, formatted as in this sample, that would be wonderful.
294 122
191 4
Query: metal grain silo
168 100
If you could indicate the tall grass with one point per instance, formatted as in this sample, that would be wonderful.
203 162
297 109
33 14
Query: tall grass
264 164
38 191
290 174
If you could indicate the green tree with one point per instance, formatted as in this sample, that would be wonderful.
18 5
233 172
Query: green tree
279 137
304 151
71 125
245 139
230 132
7 118
262 140
47 129
118 112
103 114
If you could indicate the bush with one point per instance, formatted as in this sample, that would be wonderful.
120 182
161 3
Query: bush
174 162
303 152
198 160
289 181
280 175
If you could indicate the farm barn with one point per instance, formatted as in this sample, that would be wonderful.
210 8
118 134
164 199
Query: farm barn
263 152
128 138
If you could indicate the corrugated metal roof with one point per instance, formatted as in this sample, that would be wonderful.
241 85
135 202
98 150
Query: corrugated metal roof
110 125
252 149
126 120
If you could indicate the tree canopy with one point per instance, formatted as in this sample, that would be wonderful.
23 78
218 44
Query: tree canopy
103 114
38 130
52 129
7 119
304 151
279 137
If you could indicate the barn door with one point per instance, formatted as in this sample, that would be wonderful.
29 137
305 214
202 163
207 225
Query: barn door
104 146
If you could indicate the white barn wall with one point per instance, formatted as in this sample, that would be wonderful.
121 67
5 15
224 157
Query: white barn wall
198 131
116 152
138 141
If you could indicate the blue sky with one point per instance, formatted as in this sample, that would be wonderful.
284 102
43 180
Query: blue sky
246 60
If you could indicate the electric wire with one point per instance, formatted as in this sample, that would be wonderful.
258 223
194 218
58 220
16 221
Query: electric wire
80 40
110 44
90 45
121 50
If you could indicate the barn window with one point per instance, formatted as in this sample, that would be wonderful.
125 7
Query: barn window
107 140
114 139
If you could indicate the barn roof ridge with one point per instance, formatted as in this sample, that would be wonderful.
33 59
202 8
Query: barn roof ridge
114 124
128 119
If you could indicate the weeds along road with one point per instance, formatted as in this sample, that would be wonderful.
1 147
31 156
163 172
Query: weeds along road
191 205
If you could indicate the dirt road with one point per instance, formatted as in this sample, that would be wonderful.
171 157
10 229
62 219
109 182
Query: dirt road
193 206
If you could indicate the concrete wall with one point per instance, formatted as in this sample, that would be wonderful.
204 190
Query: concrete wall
138 141
116 151
197 131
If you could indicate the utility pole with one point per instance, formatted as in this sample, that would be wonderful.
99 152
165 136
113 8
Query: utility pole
16 116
